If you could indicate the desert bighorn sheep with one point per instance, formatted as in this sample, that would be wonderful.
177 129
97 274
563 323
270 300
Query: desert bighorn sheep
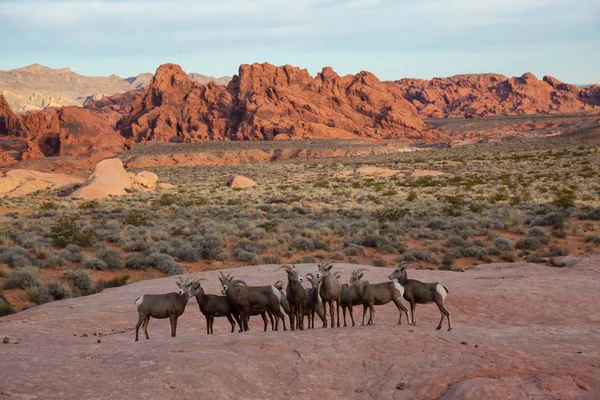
417 292
348 299
313 303
330 291
212 306
311 298
247 299
376 294
295 296
169 305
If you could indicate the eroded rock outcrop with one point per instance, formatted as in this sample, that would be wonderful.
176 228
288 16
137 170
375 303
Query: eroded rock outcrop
482 95
109 179
264 101
240 181
21 182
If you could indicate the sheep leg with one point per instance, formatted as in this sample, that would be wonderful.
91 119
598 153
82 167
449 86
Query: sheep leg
270 314
146 321
351 316
413 313
212 323
445 313
231 321
245 314
137 326
401 307
238 319
292 317
278 315
321 313
301 315
344 313
324 315
173 321
265 322
332 314
337 307
207 324
364 313
371 315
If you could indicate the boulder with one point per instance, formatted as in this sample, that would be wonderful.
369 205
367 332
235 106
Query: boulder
165 186
109 179
145 180
426 172
20 182
377 172
239 181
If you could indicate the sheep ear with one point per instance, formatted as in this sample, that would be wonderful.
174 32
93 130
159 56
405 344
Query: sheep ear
360 275
329 267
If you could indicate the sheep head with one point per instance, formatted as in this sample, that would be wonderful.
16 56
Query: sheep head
356 276
324 269
292 273
399 273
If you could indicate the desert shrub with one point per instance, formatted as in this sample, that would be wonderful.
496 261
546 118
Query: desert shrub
565 198
379 263
493 252
247 256
48 206
553 262
271 259
412 196
58 291
354 250
16 257
302 244
256 234
528 243
5 307
165 263
455 241
111 258
135 219
320 244
508 256
80 280
167 199
393 213
306 260
590 213
268 226
66 231
136 261
23 278
380 243
555 251
556 221
210 247
88 205
338 255
593 239
502 244
95 263
38 294
114 282
537 231
559 233
72 253
53 260
418 255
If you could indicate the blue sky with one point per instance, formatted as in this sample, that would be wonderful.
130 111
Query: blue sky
391 38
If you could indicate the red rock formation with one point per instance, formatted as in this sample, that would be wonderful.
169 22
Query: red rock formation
55 131
264 102
481 95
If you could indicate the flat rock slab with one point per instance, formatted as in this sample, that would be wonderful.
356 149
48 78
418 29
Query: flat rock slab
521 331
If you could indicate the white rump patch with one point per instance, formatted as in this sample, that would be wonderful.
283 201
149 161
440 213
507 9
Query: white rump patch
440 289
399 287
139 301
277 293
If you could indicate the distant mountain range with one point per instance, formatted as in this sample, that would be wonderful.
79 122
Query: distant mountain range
37 87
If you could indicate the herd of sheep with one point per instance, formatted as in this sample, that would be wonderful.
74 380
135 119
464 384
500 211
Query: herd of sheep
239 301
